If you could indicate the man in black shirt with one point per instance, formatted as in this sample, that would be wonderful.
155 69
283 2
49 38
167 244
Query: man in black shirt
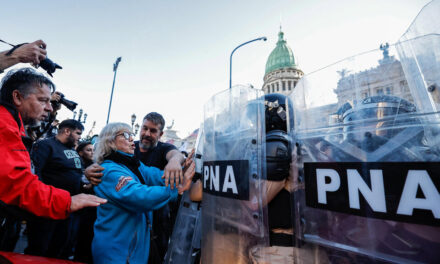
166 157
154 153
58 164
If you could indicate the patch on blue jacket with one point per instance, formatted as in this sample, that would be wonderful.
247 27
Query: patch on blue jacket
123 180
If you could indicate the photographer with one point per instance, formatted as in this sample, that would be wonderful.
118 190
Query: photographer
32 53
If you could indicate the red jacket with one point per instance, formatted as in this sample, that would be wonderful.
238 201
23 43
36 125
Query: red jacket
18 185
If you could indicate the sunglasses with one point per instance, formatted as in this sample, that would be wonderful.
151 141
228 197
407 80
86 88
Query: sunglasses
126 135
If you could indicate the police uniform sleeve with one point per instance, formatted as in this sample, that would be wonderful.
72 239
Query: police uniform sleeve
120 187
22 188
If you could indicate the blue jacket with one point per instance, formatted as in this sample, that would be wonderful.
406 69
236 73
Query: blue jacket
121 231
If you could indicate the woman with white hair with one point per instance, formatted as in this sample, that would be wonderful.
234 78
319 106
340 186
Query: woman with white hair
133 190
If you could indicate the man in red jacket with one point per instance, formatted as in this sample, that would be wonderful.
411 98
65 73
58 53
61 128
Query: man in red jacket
25 99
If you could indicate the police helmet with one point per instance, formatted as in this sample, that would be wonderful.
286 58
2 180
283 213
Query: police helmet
278 112
278 116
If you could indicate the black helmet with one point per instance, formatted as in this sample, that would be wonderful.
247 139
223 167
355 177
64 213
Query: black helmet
279 116
278 154
279 112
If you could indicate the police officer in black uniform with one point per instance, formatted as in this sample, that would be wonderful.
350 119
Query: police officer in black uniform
278 116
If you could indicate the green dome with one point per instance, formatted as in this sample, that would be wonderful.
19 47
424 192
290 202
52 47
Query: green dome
281 56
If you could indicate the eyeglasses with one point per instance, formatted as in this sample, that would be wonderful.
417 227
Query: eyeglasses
126 135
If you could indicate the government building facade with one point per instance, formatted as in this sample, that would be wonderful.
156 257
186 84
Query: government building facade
282 73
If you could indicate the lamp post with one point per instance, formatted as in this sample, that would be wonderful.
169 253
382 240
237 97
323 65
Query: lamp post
133 119
80 115
230 60
115 69
136 129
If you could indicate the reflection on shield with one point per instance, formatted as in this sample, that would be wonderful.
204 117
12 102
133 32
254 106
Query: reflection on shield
369 128
234 218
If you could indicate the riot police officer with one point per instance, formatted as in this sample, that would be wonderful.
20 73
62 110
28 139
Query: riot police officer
279 183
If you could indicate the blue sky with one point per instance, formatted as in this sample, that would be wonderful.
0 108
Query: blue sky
175 54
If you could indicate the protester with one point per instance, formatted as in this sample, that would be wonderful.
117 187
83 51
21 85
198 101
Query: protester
58 164
53 130
151 152
85 151
83 248
122 228
166 157
25 99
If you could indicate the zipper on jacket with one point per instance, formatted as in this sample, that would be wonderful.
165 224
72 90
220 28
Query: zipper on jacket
131 249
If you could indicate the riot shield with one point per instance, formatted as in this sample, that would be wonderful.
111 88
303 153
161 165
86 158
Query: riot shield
185 240
370 181
419 53
184 246
234 218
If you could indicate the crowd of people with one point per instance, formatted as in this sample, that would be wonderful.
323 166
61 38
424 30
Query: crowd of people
110 202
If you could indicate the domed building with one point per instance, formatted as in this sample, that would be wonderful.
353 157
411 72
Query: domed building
282 72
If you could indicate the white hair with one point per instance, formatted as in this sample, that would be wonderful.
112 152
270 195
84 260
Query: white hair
106 140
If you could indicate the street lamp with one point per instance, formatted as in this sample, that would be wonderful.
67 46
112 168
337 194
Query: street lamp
136 129
230 60
115 69
80 115
133 118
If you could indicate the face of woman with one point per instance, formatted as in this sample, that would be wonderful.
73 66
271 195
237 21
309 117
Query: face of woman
87 152
124 141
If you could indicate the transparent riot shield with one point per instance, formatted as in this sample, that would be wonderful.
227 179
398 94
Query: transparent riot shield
184 246
370 167
233 217
185 240
419 53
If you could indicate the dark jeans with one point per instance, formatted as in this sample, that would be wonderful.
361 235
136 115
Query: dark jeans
51 238
83 248
9 233
159 235
10 225
163 224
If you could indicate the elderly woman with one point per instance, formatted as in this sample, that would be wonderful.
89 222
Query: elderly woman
133 190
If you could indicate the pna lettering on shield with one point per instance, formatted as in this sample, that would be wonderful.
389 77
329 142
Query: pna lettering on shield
212 174
396 191
227 178
376 195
